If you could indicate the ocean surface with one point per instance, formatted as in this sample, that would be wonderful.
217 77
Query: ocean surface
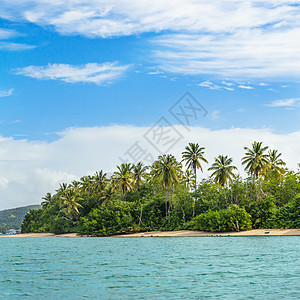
150 268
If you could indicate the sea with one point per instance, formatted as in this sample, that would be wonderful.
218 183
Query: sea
150 268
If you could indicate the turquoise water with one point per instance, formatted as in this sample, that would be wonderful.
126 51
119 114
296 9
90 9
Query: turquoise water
150 268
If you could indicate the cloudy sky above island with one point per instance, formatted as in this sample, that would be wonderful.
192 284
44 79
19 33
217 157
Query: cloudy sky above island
83 81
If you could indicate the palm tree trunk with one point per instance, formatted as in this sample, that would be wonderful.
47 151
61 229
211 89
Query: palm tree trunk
166 202
194 203
253 182
141 214
195 173
170 201
183 215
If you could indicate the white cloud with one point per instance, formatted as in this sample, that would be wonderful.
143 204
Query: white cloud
11 46
105 18
3 183
231 39
8 46
154 73
215 114
91 72
31 169
247 87
291 102
227 83
7 33
209 84
6 93
220 86
248 53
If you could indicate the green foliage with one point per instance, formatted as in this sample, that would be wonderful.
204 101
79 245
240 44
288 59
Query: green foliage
111 219
261 211
287 216
234 218
165 197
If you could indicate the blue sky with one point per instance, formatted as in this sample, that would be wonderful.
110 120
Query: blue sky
94 64
38 108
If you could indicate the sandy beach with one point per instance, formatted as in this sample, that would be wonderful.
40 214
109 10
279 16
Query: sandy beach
255 232
40 235
180 233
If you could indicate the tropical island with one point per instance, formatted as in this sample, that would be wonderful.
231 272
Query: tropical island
165 196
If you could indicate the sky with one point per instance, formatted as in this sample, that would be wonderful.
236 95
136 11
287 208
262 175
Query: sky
85 85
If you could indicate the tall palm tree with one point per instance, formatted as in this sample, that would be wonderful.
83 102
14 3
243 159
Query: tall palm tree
188 178
48 200
222 170
108 194
70 200
167 171
99 182
139 173
63 187
123 178
276 163
75 184
86 183
255 160
193 157
275 160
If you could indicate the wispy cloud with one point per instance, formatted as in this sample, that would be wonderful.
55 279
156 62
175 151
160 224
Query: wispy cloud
227 83
212 86
246 87
287 103
154 73
6 93
251 39
209 84
244 54
108 18
15 46
91 72
7 33
215 114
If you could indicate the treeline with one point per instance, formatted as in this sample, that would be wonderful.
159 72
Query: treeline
164 196
13 218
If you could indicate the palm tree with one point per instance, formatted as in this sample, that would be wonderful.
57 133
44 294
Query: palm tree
167 171
75 184
48 200
275 160
188 179
193 157
63 187
123 178
108 194
86 183
99 182
222 170
276 163
255 160
139 173
70 200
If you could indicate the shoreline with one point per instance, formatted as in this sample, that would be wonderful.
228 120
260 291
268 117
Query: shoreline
180 233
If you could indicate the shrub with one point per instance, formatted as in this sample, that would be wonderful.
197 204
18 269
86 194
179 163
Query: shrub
234 218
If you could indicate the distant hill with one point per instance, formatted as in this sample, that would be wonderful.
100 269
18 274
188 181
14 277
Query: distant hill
12 218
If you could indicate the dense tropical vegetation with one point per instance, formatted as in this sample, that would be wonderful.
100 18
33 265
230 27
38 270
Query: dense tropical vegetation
165 196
